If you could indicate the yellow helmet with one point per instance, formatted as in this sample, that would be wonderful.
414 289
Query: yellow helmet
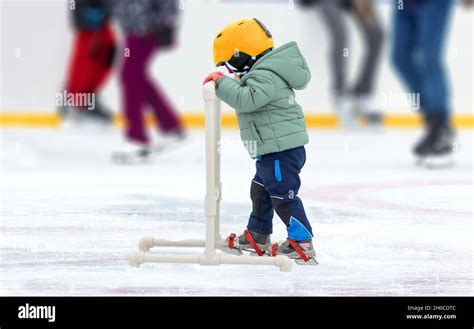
248 36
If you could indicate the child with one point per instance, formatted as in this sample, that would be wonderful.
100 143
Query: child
269 118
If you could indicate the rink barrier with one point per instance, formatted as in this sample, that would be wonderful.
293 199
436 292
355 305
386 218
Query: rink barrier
196 120
214 244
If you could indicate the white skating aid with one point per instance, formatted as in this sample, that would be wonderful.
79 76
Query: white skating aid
213 241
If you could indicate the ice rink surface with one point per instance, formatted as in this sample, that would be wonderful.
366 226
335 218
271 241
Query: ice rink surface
383 226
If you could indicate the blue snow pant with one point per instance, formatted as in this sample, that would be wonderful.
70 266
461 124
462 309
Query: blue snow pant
420 30
275 188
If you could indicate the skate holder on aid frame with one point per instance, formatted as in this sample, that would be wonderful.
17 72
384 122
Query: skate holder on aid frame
214 244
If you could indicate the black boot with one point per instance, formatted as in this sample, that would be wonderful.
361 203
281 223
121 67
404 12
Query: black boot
81 114
438 141
100 113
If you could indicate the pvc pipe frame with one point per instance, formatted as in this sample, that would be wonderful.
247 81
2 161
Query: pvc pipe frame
212 200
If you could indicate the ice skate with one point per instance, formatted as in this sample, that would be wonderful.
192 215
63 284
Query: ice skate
101 113
169 141
249 241
436 148
372 120
136 153
132 153
441 155
368 115
346 114
301 251
77 116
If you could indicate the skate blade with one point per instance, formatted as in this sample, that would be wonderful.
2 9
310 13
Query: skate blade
441 162
121 159
419 161
254 254
232 251
169 147
240 252
310 262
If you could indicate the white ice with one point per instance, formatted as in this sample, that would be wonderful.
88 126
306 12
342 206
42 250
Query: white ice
383 226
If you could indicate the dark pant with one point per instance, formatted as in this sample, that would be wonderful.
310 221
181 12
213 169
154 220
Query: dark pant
420 30
275 187
334 12
139 91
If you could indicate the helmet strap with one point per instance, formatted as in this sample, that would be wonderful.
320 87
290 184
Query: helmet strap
245 67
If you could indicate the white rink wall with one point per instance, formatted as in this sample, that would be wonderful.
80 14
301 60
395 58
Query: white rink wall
41 31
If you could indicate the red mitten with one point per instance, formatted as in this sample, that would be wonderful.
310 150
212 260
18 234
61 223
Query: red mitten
214 76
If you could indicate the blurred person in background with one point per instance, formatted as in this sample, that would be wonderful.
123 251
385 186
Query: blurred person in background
91 61
420 32
354 102
149 26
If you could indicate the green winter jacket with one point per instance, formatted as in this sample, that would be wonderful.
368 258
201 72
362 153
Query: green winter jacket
264 100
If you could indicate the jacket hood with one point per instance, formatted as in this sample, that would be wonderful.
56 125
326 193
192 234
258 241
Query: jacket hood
288 63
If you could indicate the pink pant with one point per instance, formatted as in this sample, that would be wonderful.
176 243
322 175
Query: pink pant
139 91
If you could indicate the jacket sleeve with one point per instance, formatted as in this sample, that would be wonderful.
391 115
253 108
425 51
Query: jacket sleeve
249 96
